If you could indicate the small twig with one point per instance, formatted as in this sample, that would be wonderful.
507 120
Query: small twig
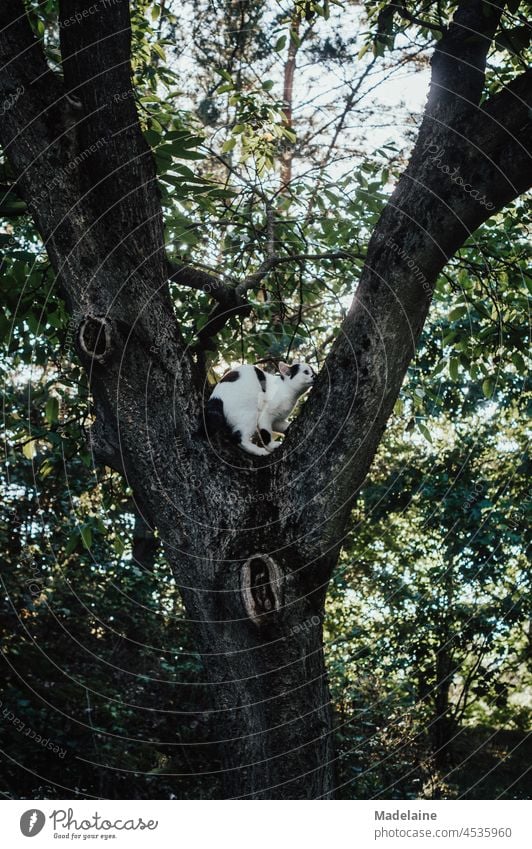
253 280
403 11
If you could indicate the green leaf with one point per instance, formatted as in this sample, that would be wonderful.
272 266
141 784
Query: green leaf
119 546
159 50
51 412
458 312
152 137
72 542
228 145
488 386
425 431
453 368
514 40
46 468
519 362
30 449
86 535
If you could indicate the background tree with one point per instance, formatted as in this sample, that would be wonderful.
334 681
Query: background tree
77 155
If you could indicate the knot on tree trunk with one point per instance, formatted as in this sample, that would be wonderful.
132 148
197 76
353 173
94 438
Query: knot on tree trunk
262 588
97 337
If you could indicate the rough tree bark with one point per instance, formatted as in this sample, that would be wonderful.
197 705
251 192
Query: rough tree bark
253 573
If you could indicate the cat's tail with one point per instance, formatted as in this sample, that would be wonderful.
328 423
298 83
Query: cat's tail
214 419
213 422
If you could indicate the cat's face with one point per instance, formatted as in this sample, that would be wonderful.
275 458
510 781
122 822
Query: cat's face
300 375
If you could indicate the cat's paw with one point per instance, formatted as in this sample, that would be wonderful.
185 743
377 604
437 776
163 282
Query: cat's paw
273 445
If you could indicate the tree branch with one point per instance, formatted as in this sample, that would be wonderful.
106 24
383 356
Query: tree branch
31 129
408 16
119 174
203 281
459 59
463 169
233 303
252 281
288 94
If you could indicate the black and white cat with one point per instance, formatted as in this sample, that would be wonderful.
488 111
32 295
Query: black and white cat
249 402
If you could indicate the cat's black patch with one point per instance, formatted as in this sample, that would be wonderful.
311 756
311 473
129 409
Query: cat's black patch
294 370
214 416
230 377
261 377
265 435
216 423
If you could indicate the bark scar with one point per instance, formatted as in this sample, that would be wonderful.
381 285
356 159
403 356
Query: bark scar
262 588
96 336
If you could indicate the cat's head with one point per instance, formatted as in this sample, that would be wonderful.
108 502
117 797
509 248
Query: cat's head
300 375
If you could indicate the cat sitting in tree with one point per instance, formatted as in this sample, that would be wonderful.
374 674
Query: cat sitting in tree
250 402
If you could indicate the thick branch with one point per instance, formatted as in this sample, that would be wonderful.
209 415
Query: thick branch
195 278
460 174
459 59
31 130
119 174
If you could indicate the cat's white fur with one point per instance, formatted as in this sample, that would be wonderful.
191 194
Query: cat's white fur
256 402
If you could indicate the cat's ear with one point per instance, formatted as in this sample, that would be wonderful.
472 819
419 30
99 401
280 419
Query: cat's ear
284 369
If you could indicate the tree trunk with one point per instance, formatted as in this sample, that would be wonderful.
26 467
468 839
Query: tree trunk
257 607
288 96
443 728
271 696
